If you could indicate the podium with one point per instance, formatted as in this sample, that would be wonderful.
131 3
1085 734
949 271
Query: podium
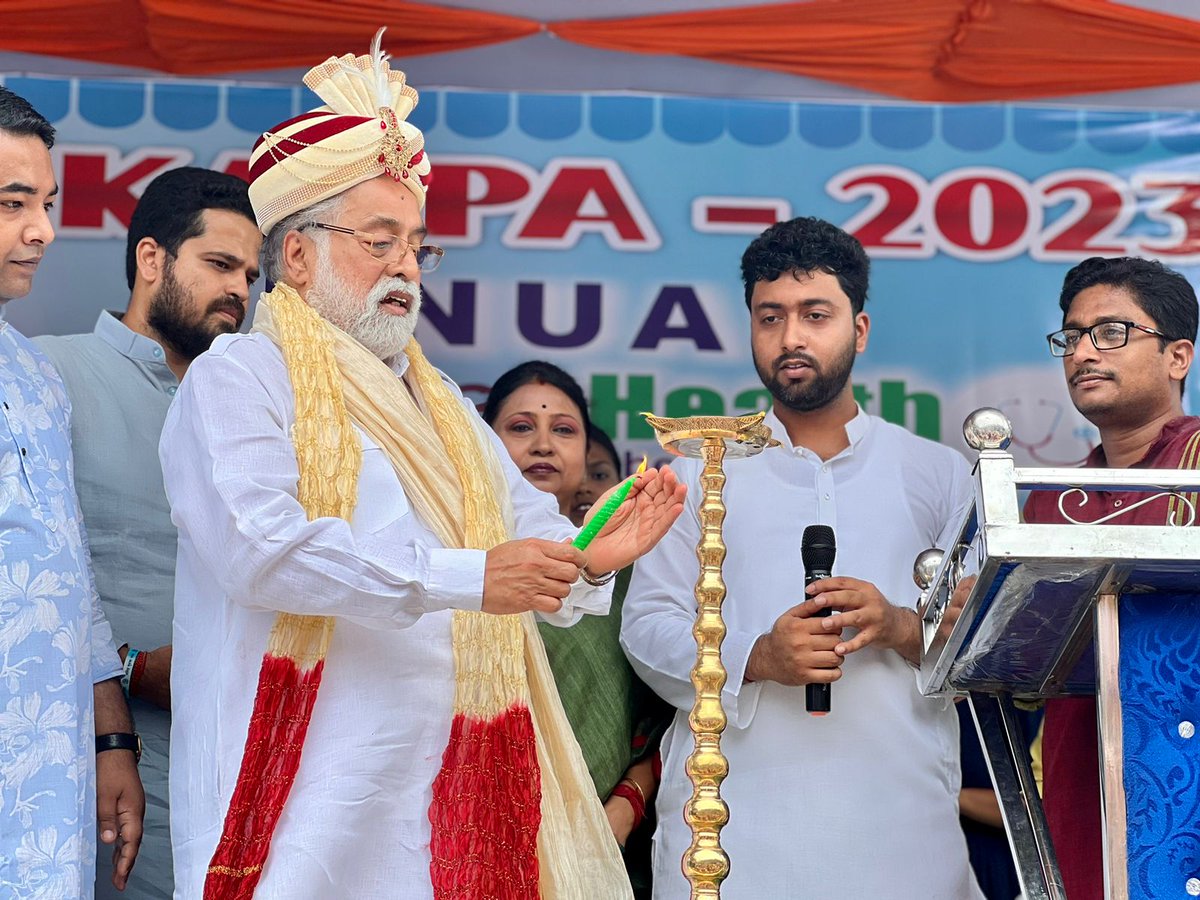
1086 608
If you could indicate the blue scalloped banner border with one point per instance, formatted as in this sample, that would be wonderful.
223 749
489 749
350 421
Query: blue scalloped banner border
194 105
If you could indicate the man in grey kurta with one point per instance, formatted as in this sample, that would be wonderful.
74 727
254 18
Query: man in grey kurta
192 254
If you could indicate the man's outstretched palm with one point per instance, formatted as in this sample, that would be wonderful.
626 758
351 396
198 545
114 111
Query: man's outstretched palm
652 506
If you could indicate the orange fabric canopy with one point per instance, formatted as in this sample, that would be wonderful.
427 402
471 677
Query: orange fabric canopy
212 37
939 50
935 50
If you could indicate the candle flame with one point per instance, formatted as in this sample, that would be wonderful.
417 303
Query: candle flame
642 467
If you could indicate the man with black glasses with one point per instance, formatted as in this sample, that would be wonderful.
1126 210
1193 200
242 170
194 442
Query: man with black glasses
1127 343
357 543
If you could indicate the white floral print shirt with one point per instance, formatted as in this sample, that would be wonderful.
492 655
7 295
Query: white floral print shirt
54 641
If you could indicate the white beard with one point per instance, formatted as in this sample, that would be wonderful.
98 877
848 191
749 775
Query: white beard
384 334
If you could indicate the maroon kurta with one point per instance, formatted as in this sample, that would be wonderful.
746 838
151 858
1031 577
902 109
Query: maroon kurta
1070 754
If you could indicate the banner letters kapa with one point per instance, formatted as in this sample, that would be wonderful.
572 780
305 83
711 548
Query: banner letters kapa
604 233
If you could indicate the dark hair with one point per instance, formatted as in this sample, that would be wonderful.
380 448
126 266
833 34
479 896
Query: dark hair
808 245
172 206
1161 293
598 436
17 116
535 372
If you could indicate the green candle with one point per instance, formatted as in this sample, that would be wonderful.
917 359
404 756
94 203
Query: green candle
600 519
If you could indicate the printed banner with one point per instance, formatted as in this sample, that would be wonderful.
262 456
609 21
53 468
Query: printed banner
604 233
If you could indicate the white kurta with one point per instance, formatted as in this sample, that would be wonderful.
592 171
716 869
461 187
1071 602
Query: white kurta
862 803
356 823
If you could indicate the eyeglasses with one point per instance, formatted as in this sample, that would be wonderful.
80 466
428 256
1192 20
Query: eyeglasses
389 248
1104 335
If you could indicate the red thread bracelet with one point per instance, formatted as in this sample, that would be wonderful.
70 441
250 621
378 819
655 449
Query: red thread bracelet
632 792
139 667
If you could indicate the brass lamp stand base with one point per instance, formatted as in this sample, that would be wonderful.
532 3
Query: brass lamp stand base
712 439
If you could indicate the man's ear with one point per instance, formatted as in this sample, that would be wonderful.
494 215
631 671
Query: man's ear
150 258
862 330
299 261
1180 356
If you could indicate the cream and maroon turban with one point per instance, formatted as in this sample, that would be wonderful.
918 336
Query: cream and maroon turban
361 132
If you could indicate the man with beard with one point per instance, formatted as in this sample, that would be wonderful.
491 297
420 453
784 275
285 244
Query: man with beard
861 802
1127 345
347 542
191 256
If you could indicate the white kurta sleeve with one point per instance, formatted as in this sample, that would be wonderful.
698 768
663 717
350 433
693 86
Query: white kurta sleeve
230 473
660 610
958 498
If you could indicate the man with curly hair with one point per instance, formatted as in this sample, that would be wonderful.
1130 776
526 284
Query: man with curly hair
862 802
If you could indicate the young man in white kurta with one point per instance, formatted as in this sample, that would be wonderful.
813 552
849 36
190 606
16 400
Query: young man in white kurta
861 803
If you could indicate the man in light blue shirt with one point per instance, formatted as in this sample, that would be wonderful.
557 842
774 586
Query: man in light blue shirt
67 748
191 256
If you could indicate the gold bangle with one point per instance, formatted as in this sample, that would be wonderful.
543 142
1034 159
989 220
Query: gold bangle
637 787
597 580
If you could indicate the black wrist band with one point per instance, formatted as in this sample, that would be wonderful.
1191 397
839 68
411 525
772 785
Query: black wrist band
121 741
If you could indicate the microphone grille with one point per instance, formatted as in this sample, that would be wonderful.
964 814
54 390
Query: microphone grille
818 548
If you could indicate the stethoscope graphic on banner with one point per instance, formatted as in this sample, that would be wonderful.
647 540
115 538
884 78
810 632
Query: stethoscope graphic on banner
1034 448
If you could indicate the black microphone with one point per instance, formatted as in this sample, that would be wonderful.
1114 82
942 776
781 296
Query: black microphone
817 549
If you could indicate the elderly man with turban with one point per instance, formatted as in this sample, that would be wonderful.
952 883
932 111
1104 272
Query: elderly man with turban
362 705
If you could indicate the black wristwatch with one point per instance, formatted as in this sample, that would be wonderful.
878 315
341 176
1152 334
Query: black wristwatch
121 741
